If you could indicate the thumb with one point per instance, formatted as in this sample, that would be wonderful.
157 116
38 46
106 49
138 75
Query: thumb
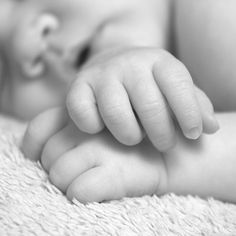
210 124
41 129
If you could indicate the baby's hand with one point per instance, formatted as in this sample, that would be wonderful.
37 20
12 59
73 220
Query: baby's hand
131 89
92 168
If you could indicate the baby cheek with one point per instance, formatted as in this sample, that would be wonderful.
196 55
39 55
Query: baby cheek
33 99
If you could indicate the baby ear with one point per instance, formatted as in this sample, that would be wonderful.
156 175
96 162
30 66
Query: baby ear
41 30
46 24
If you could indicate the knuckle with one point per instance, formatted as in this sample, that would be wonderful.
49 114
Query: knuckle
79 109
152 110
82 109
192 117
178 71
181 85
116 114
176 74
114 111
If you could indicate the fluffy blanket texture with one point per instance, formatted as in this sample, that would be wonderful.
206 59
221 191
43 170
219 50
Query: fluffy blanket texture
30 205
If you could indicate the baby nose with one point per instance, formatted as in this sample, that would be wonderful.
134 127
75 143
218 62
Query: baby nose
39 33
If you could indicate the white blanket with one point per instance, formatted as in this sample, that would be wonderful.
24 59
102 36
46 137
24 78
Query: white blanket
30 205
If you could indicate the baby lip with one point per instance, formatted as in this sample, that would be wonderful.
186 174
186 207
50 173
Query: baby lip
33 70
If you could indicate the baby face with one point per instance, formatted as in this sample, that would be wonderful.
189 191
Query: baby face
41 45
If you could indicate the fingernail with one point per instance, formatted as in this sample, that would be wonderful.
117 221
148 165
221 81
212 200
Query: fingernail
193 133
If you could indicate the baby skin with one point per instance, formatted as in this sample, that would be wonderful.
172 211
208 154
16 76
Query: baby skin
156 102
98 168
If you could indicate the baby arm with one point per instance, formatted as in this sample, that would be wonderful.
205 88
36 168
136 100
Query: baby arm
138 24
206 168
91 167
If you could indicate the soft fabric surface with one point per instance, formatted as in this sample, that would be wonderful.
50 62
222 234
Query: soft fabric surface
30 205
